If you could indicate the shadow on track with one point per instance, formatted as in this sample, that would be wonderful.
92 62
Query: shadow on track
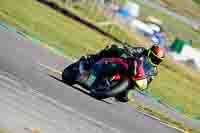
78 88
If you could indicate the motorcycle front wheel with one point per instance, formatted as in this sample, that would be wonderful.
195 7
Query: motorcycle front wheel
125 96
102 93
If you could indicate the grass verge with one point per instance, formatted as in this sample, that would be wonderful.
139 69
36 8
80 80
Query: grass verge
162 117
184 8
197 1
58 31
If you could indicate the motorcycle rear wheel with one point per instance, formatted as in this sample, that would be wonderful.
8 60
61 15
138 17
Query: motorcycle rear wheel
70 73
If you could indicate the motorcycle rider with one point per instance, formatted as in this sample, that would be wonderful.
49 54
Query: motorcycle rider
154 54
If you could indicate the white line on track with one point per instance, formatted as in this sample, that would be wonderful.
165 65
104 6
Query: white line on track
50 68
156 118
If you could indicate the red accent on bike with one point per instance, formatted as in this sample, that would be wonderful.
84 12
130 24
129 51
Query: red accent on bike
113 61
140 74
117 77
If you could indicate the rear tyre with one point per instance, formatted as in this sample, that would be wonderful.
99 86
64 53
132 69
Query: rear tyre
102 93
70 74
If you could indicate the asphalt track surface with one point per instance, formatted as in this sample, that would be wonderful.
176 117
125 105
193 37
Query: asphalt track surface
20 62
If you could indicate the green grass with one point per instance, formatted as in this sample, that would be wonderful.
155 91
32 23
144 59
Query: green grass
179 87
175 84
95 15
197 1
188 8
59 31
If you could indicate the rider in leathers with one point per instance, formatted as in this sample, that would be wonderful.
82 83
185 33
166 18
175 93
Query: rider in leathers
155 55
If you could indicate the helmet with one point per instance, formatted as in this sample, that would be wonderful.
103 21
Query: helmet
156 55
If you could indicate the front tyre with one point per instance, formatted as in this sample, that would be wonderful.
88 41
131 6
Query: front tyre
102 93
125 96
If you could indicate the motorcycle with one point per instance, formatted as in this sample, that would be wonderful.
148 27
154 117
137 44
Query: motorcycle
111 77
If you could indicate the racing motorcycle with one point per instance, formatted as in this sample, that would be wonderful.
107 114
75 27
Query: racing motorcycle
111 77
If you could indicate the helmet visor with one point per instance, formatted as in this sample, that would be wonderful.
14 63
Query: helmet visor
154 59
